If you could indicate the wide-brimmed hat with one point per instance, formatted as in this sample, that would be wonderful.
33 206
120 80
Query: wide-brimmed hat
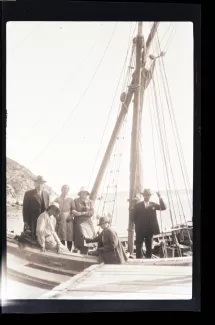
83 189
103 220
55 204
146 192
39 179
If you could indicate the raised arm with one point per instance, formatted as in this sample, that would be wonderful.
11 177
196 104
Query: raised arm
161 206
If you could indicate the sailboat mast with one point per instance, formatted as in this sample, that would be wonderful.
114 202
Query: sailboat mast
135 133
144 84
136 161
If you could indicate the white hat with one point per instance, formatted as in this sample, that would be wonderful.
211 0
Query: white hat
55 204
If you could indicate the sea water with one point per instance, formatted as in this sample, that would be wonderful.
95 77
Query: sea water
181 209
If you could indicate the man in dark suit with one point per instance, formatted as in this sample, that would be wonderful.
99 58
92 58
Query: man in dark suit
146 224
35 202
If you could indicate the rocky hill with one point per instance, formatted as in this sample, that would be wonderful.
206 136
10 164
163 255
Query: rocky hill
20 180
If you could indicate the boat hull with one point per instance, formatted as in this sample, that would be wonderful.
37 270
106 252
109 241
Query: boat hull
70 264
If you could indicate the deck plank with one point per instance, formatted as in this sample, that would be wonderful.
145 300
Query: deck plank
127 282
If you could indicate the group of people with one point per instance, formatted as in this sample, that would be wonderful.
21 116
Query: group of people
66 224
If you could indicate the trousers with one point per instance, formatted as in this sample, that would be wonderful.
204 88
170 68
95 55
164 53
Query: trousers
69 244
140 238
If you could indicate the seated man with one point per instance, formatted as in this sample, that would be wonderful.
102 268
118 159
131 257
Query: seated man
46 235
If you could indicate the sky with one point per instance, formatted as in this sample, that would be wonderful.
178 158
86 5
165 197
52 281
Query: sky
63 81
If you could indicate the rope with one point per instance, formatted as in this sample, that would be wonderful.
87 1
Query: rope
170 25
166 142
175 131
106 124
25 38
71 76
166 47
164 242
114 159
179 212
76 106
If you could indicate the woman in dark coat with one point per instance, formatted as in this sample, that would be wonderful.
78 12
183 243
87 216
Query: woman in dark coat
82 210
109 246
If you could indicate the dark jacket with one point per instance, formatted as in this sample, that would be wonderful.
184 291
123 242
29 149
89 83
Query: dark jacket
33 206
83 226
145 220
110 248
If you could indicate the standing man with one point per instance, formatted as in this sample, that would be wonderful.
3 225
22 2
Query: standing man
146 224
35 202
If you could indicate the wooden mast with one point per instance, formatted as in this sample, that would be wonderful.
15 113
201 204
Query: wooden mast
135 135
137 88
144 84
136 181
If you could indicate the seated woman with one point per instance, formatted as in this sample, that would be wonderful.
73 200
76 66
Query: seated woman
110 248
46 235
82 210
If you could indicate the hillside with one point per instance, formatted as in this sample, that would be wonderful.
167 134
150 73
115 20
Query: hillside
20 180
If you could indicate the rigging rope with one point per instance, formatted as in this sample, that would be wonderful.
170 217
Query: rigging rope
176 191
175 131
170 25
166 47
78 103
166 141
112 165
25 38
177 195
106 124
71 76
162 156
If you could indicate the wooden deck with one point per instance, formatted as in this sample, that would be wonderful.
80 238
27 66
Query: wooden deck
129 281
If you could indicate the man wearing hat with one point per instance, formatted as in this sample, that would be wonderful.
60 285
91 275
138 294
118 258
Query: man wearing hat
146 224
46 224
35 202
109 246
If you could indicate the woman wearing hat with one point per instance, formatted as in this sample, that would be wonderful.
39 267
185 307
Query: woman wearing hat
46 235
82 210
110 248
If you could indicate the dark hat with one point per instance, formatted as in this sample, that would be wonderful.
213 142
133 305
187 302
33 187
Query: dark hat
103 220
39 179
146 191
83 189
55 205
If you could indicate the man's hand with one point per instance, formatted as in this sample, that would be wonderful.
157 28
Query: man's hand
26 226
43 249
158 194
